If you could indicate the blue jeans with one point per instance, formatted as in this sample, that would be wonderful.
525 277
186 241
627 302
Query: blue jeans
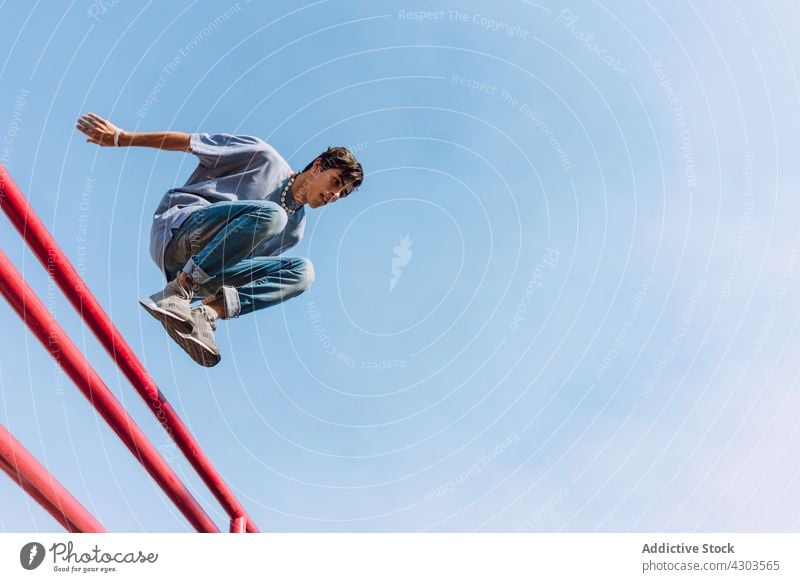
214 246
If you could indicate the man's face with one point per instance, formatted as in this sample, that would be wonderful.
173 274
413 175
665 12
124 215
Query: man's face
325 186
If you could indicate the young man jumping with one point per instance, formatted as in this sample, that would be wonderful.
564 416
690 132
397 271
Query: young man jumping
217 238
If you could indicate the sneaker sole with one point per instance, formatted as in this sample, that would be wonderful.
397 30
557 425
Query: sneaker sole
167 318
197 350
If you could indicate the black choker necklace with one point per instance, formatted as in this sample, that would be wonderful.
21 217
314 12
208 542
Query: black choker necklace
289 208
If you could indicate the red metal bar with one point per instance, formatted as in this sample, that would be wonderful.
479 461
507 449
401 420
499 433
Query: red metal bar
239 525
47 330
66 277
40 484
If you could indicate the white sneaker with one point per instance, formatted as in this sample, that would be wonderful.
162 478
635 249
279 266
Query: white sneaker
200 343
172 306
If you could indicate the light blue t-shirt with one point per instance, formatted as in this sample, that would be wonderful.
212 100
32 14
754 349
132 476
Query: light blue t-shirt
232 167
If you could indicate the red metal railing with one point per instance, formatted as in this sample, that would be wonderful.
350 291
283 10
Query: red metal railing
66 277
23 468
47 330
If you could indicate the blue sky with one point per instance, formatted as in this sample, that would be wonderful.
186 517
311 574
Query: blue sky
594 325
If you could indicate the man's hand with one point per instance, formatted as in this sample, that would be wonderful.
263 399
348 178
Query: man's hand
98 130
101 132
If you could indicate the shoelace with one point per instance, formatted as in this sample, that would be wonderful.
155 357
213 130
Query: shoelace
186 290
207 314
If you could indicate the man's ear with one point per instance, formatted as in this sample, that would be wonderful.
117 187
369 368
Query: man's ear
317 166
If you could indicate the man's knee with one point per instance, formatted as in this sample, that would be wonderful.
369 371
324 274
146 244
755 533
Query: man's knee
305 273
270 218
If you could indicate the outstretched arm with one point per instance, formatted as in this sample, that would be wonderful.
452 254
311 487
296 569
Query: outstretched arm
102 131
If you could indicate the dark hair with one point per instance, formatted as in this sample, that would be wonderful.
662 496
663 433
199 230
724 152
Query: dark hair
341 159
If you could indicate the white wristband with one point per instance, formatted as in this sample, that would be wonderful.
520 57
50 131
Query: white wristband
116 137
